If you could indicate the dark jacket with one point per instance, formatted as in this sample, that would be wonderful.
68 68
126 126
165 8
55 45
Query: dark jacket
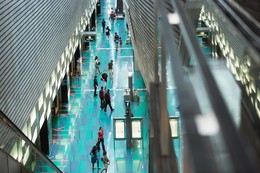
93 154
101 94
110 65
107 97
104 77
103 23
95 83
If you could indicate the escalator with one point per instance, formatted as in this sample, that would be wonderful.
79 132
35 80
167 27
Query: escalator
246 24
245 61
212 142
18 153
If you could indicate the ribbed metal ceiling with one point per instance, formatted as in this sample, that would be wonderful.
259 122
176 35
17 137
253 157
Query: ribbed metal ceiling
144 36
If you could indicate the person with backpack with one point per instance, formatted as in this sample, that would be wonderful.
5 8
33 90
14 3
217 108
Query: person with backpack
106 162
108 100
108 31
94 157
102 98
116 37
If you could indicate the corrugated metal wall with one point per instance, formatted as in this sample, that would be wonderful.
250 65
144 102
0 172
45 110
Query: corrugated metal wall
140 14
242 59
33 36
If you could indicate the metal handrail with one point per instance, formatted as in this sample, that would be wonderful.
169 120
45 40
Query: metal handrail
244 23
17 131
239 157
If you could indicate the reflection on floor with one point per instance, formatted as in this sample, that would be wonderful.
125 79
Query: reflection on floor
75 128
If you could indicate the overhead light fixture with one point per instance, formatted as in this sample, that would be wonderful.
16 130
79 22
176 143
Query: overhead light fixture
207 125
173 18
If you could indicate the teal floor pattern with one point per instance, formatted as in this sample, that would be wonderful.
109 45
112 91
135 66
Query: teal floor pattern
75 128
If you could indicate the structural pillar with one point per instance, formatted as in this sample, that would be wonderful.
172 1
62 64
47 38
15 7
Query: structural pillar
128 125
44 140
130 85
65 89
98 7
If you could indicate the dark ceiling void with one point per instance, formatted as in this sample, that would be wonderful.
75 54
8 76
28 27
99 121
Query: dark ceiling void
252 7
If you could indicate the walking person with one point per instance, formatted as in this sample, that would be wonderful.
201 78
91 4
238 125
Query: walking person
104 79
108 100
97 64
95 86
116 40
108 31
105 161
110 68
102 97
94 157
112 15
103 24
116 37
101 139
120 41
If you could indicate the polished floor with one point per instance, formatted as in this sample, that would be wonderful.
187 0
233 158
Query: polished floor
75 129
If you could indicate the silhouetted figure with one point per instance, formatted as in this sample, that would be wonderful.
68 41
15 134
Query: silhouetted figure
104 79
102 98
108 31
103 24
94 157
108 100
95 86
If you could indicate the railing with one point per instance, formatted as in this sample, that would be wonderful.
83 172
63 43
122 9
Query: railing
18 146
246 24
212 142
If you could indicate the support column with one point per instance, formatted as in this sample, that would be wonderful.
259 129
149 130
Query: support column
56 103
44 140
130 85
65 89
136 68
98 7
93 20
128 124
77 62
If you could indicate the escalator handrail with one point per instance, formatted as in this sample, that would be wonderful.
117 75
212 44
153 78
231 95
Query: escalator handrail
242 162
10 124
244 23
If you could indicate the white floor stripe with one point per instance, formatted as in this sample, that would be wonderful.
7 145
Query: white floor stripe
108 48
125 56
